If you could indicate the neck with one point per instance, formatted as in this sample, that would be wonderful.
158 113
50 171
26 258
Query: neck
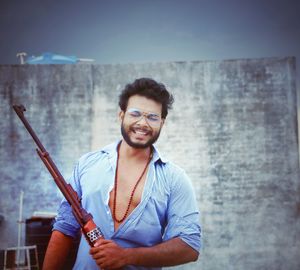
128 152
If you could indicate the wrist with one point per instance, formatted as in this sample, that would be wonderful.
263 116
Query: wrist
129 256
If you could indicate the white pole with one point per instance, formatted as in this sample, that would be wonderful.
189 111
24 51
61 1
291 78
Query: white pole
20 226
22 56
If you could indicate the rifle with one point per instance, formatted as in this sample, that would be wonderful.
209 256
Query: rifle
91 232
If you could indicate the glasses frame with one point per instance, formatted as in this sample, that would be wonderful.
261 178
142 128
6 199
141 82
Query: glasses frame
155 122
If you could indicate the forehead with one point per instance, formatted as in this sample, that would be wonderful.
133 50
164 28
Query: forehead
144 104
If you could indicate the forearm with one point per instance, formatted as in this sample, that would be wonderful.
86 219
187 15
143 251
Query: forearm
57 251
169 253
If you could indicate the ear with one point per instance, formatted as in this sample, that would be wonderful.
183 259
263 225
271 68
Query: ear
121 116
162 122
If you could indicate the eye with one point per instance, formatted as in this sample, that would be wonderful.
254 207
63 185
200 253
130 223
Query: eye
153 117
135 114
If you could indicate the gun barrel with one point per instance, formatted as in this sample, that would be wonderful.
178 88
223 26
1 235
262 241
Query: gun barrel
85 219
20 109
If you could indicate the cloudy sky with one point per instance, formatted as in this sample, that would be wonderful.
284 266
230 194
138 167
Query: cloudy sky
137 31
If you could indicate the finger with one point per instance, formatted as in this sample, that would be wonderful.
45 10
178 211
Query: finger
94 250
102 241
103 264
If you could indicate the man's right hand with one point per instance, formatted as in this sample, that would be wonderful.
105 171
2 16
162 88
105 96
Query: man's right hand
108 255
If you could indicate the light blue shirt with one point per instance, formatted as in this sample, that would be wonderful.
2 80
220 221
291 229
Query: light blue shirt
168 207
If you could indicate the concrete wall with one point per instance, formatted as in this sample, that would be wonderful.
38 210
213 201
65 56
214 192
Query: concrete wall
233 128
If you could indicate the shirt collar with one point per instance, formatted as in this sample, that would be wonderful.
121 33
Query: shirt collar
112 151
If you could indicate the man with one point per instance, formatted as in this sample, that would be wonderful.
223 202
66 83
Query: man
144 205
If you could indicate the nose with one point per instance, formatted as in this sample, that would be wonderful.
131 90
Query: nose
143 120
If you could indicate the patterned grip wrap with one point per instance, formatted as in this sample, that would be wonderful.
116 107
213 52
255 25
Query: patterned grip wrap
94 235
91 232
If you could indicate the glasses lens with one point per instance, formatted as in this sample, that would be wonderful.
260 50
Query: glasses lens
153 117
136 114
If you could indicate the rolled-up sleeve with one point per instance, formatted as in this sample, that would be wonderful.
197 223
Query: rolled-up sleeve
183 218
65 221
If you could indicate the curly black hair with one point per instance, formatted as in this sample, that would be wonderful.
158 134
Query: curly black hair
148 88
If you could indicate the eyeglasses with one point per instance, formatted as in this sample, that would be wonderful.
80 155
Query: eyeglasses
152 119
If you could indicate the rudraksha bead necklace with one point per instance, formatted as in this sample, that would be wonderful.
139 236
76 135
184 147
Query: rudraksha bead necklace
132 192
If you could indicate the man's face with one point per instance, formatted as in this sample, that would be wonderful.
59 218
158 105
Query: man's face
141 122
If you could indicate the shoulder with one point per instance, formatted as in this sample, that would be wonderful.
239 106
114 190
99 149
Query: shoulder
164 164
174 176
171 168
91 156
168 169
95 157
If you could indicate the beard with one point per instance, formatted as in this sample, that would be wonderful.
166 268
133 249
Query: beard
150 142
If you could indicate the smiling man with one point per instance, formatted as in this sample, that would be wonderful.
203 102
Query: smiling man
143 204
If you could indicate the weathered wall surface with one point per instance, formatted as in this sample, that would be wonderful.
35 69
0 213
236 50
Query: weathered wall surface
233 129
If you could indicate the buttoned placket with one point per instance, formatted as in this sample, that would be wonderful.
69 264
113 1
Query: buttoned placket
113 164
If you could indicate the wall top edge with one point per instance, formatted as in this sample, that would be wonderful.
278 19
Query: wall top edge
255 59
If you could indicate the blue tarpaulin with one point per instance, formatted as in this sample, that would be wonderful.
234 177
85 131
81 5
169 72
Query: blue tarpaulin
51 58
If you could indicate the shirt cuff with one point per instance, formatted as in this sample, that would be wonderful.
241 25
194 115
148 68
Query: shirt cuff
66 229
186 229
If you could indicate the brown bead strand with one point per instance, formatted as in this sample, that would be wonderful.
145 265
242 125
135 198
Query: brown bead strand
132 193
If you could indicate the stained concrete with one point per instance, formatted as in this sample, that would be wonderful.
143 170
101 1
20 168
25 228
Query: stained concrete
233 128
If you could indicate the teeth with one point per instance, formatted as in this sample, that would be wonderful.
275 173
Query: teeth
140 132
